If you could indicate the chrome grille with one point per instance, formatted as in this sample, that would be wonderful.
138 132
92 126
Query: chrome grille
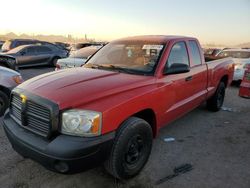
16 105
31 115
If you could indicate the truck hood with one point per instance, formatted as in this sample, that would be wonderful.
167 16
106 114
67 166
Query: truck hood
71 88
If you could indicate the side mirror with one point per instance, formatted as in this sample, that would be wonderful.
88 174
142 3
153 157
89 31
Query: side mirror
177 68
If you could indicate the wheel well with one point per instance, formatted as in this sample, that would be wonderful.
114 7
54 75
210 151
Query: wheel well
56 57
224 79
5 90
149 116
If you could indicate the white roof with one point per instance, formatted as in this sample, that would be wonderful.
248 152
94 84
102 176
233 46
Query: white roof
237 49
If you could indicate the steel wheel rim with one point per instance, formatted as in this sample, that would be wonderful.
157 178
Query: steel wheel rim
134 150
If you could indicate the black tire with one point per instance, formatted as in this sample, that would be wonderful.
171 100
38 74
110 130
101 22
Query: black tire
216 101
54 61
131 149
4 103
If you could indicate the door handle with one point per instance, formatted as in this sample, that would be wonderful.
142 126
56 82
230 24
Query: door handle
189 78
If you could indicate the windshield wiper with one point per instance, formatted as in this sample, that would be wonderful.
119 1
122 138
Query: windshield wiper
126 70
113 67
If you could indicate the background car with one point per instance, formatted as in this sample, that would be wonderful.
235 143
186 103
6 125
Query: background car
78 58
31 55
212 52
8 80
241 57
78 46
8 62
63 45
13 43
1 44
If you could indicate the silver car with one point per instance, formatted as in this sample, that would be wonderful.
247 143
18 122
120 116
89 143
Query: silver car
241 58
77 58
8 80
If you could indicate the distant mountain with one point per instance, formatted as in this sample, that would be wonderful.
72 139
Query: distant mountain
10 35
213 46
221 46
245 45
49 38
71 39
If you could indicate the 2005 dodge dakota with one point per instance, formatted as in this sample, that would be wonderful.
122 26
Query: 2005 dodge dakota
110 109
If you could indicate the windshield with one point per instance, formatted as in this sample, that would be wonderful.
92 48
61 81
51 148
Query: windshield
84 53
235 54
15 50
128 57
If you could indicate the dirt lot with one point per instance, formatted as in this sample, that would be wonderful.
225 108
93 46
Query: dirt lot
216 144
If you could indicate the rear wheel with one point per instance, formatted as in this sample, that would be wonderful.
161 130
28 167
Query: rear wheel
216 101
131 149
4 102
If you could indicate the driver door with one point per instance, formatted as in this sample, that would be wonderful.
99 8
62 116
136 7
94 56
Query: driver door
178 87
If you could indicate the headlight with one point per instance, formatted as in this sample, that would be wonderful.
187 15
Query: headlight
18 79
81 123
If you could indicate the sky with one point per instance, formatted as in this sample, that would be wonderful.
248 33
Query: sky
212 21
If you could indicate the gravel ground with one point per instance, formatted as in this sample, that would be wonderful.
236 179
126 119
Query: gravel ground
215 144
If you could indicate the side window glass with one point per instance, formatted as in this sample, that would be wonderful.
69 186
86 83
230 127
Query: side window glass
178 54
22 43
17 44
196 56
43 49
30 51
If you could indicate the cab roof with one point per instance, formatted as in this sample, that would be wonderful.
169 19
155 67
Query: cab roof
154 38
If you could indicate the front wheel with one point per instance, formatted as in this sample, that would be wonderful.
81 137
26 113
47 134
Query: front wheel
131 149
216 101
54 61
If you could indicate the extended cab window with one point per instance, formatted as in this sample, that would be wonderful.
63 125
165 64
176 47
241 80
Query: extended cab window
195 52
178 54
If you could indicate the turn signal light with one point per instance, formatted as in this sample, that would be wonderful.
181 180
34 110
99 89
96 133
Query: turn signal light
18 79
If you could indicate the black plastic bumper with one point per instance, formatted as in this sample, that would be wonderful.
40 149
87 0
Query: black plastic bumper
64 154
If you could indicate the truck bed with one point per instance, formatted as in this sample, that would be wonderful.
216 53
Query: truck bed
216 67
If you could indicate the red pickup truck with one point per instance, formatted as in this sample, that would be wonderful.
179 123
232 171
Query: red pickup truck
111 109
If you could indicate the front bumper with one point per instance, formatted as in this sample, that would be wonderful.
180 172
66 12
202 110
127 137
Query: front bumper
64 154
